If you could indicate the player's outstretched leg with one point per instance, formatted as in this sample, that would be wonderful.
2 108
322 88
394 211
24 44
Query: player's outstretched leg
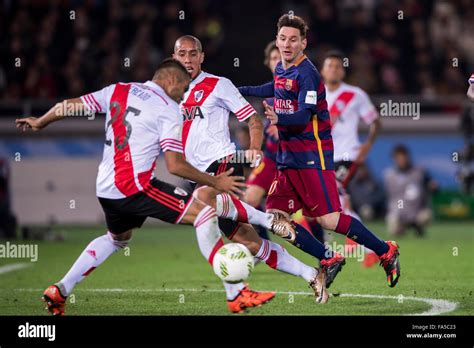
254 196
331 262
232 208
276 257
239 296
387 252
99 250
316 229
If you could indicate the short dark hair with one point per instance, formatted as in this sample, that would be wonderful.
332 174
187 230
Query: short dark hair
400 149
293 21
170 63
192 38
335 54
268 51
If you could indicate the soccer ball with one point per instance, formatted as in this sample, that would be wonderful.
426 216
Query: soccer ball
233 263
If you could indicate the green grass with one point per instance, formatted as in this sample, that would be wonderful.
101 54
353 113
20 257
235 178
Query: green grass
167 257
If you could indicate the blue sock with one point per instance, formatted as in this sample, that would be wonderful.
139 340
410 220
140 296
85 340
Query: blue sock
317 230
310 245
359 233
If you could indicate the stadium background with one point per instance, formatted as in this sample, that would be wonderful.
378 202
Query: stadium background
405 51
402 51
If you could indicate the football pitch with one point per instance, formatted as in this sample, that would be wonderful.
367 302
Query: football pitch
163 273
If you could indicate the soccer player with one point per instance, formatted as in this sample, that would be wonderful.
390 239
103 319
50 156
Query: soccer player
470 91
347 105
142 120
306 177
207 146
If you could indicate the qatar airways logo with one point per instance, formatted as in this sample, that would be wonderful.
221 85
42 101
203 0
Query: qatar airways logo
285 106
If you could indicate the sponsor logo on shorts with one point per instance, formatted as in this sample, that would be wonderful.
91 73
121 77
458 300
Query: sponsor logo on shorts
180 191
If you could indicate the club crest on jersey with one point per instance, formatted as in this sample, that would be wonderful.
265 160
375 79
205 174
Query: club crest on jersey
288 84
340 104
198 95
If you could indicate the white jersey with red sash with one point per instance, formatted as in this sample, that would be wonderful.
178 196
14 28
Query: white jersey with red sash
141 121
347 105
205 108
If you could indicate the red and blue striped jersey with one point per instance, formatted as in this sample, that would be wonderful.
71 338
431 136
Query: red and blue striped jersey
271 144
304 124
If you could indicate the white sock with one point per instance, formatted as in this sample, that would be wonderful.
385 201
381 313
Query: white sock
232 290
210 240
234 209
275 256
92 257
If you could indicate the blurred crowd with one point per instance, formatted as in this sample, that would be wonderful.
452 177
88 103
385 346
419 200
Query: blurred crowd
57 48
69 47
394 47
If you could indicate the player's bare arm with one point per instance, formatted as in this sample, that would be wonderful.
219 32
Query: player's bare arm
177 165
56 113
374 130
254 154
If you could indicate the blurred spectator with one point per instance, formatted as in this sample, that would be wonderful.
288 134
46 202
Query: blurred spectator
466 172
467 122
367 196
408 189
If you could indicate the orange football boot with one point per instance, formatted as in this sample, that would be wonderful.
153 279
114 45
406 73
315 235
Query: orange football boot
248 298
55 301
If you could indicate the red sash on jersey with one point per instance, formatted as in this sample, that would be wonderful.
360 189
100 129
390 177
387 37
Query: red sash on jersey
334 111
197 96
124 175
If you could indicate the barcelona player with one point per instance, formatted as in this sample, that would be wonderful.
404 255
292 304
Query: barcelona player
306 177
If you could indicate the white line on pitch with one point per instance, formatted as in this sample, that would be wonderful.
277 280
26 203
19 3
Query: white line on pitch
438 306
13 267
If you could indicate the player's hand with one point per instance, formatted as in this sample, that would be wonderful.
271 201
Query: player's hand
363 151
272 131
271 115
254 157
230 184
29 122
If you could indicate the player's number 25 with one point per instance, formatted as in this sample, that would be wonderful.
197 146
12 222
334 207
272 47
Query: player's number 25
115 109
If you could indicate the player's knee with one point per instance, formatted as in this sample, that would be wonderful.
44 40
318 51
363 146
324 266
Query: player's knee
247 236
122 236
193 211
329 221
252 200
253 196
253 246
205 195
121 240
